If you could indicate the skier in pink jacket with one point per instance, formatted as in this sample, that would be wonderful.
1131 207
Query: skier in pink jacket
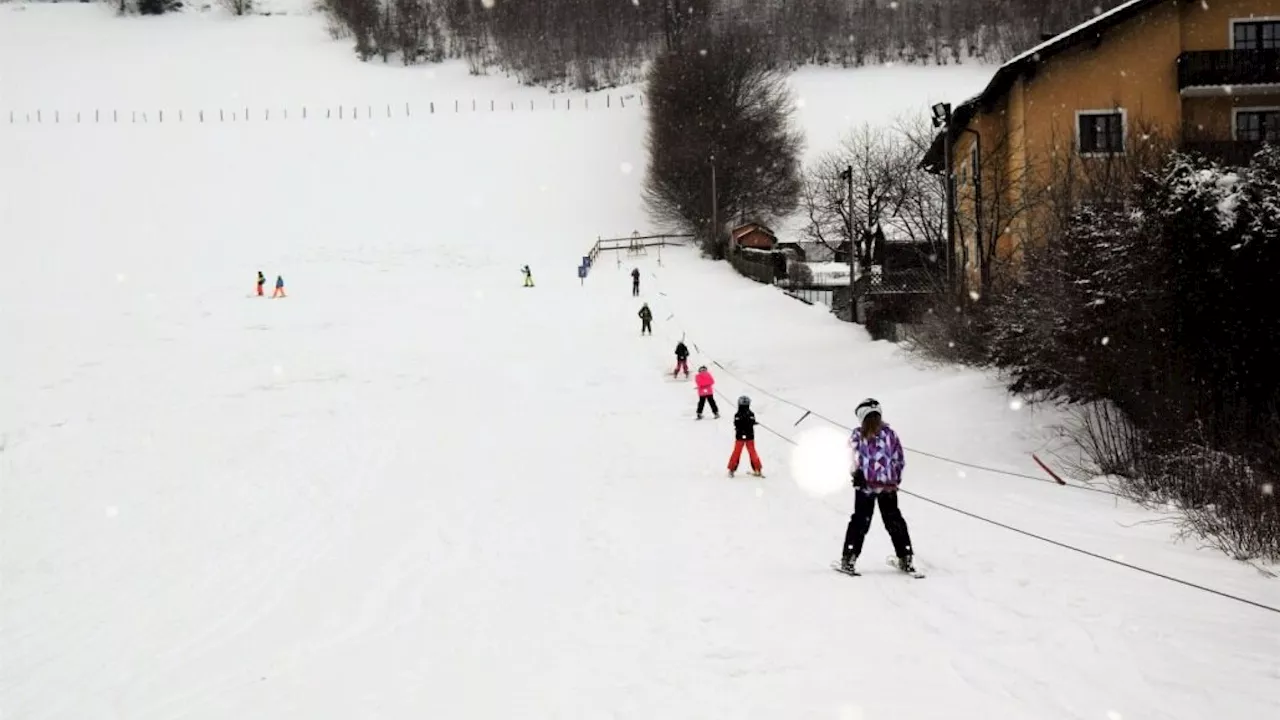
706 391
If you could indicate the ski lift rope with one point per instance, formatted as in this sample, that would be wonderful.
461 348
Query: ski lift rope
966 513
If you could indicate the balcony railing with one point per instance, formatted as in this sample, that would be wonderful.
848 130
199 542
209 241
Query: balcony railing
1206 68
1230 152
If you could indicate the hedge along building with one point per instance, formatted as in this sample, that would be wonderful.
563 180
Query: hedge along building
1148 74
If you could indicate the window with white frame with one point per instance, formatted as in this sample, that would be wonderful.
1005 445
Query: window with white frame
1258 125
1257 35
1100 132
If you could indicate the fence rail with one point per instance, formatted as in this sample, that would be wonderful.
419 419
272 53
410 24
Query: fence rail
346 112
634 244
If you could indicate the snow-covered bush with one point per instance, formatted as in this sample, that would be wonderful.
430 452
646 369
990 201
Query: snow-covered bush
1163 310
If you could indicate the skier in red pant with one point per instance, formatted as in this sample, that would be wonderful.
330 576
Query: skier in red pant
744 432
682 360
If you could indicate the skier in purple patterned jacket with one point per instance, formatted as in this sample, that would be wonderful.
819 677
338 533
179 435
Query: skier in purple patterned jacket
877 471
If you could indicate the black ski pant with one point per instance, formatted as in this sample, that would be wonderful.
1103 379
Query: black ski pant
646 326
704 400
635 287
864 509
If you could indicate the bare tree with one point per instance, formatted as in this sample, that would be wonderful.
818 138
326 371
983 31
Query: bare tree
873 182
238 7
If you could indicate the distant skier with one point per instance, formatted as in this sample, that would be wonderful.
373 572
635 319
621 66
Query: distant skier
682 360
877 472
262 281
528 276
706 391
635 282
279 291
744 433
646 319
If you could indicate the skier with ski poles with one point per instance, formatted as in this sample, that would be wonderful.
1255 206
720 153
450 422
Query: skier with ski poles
635 282
877 472
646 319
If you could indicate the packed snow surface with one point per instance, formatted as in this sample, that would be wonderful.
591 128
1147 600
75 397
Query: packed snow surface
414 488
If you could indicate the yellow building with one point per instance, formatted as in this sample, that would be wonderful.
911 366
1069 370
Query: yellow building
1203 74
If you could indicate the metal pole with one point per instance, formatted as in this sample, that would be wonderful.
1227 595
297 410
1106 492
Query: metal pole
952 270
715 210
848 220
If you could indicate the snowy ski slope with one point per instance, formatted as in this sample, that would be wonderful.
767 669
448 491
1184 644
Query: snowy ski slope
414 488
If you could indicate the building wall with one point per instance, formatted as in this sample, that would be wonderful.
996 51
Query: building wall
1211 118
1207 25
757 240
1029 134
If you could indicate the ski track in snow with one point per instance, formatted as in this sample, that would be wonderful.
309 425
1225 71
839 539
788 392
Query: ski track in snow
414 488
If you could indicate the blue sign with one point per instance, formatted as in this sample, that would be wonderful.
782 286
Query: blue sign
582 271
586 261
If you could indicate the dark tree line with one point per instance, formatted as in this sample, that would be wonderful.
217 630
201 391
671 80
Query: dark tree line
721 143
589 44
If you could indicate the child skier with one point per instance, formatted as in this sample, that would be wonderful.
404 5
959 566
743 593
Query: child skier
706 391
528 276
279 291
877 473
744 433
635 282
646 319
262 281
682 360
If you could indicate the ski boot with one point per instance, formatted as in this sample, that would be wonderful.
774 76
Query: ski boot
847 564
905 564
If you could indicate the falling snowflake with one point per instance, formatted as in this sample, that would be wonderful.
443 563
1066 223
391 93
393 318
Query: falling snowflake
973 295
277 370
1113 715
893 5
112 511
626 168
119 277
1015 404
636 3
800 103
1097 10
487 4
1106 341
1117 558
961 474
1268 489
703 52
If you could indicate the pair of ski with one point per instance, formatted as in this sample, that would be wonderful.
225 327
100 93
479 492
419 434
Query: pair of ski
891 561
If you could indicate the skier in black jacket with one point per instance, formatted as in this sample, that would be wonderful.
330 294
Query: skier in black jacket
635 282
646 319
682 360
744 432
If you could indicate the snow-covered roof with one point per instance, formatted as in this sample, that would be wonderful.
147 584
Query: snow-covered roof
1004 75
1100 19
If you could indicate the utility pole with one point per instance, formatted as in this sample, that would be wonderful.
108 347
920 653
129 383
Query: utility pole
715 209
942 119
847 176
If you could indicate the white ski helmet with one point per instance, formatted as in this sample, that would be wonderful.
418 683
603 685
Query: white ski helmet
867 407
